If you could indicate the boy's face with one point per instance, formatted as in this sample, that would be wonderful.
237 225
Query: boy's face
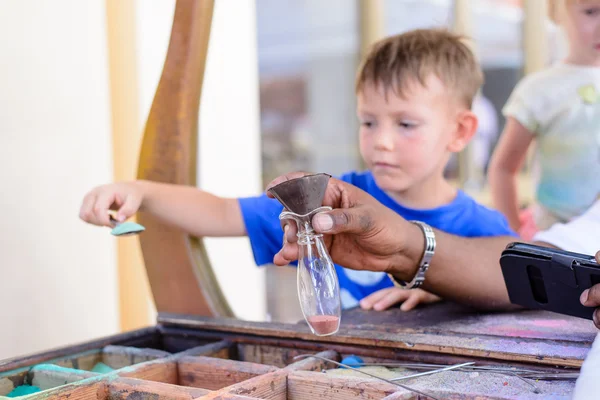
406 141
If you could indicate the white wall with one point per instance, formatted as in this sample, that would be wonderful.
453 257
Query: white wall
57 275
58 280
229 153
229 142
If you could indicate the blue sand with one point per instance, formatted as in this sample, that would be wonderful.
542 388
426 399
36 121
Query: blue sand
352 361
23 390
127 228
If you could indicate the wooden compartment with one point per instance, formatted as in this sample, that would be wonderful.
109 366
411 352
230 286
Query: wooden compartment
75 367
226 358
215 371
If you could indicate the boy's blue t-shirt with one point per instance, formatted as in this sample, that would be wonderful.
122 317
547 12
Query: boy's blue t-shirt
463 217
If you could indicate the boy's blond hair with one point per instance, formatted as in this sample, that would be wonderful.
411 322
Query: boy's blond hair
400 60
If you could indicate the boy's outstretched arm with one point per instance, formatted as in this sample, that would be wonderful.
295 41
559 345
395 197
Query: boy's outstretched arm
506 162
194 211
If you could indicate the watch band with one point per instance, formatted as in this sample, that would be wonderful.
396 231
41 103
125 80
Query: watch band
428 253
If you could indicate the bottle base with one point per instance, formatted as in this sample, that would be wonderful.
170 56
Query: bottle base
324 325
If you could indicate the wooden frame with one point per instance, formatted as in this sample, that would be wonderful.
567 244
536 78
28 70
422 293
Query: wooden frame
179 270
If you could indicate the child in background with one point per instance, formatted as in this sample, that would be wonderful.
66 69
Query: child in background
415 92
559 108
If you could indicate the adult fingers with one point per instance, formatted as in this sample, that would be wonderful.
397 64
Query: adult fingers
591 297
348 220
286 255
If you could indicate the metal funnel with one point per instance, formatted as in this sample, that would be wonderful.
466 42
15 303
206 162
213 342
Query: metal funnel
302 195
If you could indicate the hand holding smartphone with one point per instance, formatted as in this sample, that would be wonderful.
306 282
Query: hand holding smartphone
544 278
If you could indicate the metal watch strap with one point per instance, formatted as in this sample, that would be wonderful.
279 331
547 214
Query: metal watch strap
419 278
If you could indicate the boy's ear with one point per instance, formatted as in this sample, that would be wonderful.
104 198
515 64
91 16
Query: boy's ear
466 126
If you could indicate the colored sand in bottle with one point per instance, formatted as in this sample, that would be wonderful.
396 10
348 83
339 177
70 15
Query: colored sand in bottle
324 324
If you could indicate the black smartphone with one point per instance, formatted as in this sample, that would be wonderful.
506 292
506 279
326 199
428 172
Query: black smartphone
549 279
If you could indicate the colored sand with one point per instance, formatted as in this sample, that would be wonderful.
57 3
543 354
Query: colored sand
127 228
23 390
101 368
324 324
352 361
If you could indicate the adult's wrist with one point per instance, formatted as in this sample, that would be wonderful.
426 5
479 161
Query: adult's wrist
406 262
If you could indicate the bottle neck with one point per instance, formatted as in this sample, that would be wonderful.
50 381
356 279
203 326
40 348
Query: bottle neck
306 233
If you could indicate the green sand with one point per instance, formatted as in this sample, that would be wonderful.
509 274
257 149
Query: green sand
101 368
23 390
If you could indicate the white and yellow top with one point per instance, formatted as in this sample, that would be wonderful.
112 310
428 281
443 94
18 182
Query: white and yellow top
561 108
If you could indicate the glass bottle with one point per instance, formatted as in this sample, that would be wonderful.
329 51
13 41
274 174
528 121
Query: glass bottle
318 286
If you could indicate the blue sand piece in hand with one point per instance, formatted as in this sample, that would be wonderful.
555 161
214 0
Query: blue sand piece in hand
127 228
23 390
352 361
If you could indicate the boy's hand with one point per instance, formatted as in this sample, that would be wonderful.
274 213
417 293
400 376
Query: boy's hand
125 198
385 298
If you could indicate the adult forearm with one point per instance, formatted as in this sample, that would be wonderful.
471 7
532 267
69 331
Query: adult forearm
192 210
465 270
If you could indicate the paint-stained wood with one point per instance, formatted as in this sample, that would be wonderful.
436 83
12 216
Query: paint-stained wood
461 385
448 333
164 370
304 385
144 336
214 373
226 396
401 396
272 386
316 364
10 380
372 351
84 361
122 356
74 391
264 381
451 317
179 271
46 376
446 329
127 388
279 356
221 349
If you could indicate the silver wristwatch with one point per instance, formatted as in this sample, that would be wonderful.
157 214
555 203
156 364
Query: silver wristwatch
425 259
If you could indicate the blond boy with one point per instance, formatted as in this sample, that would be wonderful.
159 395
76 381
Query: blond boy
414 92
